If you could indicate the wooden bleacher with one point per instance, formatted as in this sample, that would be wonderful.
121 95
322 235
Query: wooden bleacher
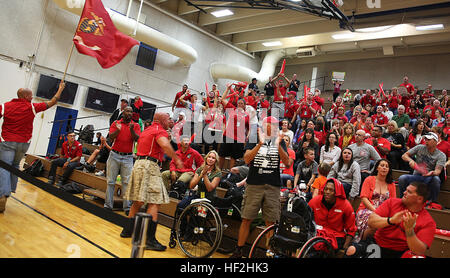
97 184
441 244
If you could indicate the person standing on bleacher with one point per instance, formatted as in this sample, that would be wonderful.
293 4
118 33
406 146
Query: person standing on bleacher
17 129
124 133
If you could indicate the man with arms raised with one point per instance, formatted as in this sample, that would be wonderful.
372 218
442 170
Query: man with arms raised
263 180
17 129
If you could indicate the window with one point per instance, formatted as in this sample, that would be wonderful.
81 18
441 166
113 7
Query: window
146 56
48 86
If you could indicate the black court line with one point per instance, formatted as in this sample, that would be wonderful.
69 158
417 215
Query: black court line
67 228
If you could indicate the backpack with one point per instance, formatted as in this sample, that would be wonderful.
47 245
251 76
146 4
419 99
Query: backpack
72 188
296 224
178 190
36 168
86 135
229 180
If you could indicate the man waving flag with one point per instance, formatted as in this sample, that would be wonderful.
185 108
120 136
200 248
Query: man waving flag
97 36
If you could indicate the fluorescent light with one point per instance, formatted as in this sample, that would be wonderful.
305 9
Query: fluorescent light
275 43
222 13
430 27
343 36
296 0
373 29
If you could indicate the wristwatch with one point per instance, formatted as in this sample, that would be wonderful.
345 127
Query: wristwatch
389 222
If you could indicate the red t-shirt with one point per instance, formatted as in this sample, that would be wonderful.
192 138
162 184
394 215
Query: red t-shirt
433 110
123 142
179 104
394 101
73 151
412 112
367 99
393 237
282 92
237 124
444 146
305 112
290 108
408 86
188 158
379 119
383 142
18 119
405 101
290 170
264 104
147 143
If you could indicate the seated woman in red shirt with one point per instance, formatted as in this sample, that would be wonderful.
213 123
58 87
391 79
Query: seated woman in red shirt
416 136
375 190
334 213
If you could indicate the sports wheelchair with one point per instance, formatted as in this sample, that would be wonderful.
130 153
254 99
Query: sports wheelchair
198 228
295 235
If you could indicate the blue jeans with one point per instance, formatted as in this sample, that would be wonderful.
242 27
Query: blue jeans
11 153
115 165
433 182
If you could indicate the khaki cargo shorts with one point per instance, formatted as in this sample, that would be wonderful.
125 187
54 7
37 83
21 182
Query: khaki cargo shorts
265 197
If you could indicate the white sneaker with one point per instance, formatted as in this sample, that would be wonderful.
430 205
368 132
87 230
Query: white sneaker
100 173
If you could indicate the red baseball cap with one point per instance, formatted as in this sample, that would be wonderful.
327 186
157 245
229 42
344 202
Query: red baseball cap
271 120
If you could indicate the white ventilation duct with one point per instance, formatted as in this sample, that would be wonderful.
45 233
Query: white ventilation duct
240 73
144 33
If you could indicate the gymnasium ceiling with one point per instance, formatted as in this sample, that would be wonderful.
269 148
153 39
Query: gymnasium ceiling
397 35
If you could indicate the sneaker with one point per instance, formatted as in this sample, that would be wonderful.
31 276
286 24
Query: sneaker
3 200
100 173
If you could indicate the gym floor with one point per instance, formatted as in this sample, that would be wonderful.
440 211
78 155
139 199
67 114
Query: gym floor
37 224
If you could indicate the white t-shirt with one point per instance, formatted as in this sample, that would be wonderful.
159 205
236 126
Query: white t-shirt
253 118
331 156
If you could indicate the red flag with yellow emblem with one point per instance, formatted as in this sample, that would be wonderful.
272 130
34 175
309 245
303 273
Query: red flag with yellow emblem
97 36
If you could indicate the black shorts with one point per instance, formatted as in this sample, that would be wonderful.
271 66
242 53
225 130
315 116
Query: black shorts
235 149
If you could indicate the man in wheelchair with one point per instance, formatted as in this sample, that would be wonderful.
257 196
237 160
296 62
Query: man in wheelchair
404 227
334 213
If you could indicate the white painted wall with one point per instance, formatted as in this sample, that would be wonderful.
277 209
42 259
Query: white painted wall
40 27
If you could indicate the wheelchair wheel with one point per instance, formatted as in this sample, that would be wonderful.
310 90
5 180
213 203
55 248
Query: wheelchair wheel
260 248
227 245
199 230
316 247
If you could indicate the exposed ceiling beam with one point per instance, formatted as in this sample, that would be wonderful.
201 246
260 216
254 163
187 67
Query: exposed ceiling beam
370 54
402 30
289 17
300 29
281 18
184 8
207 19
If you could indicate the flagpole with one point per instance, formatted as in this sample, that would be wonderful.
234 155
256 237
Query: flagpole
68 60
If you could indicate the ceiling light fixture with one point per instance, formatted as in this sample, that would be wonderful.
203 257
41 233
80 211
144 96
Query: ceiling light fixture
275 43
343 36
222 13
430 27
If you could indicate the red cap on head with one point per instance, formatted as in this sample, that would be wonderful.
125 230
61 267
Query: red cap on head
292 93
271 120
